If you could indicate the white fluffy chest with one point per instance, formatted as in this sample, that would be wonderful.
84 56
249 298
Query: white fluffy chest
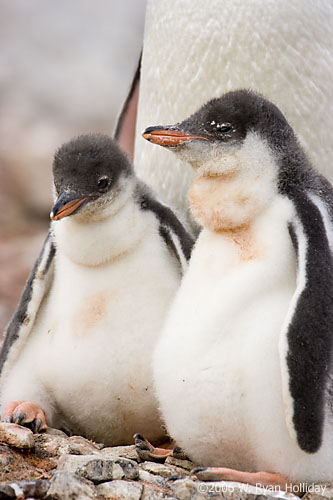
110 307
95 334
222 337
231 272
113 298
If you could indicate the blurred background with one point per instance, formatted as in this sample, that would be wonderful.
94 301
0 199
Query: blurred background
65 69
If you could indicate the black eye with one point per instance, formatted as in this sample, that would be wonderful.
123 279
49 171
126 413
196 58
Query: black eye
103 183
220 128
224 129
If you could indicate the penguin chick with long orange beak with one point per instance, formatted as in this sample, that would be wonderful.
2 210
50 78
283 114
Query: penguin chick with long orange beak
243 368
76 353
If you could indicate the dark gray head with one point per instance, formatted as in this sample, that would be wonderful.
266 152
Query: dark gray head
221 127
88 172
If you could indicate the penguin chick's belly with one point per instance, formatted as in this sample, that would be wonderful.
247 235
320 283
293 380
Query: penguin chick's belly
94 356
216 366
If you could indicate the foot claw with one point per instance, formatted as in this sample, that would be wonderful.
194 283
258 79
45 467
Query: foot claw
197 470
175 477
215 474
144 448
25 413
140 437
36 425
177 452
147 451
19 418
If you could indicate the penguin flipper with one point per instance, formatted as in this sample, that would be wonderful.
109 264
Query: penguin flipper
178 240
126 124
23 319
306 340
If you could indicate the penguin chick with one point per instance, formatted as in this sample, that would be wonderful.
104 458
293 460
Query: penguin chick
243 368
80 343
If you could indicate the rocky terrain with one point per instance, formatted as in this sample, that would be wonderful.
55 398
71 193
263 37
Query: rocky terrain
53 466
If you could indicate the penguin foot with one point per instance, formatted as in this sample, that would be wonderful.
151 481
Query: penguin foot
147 451
177 452
264 479
25 413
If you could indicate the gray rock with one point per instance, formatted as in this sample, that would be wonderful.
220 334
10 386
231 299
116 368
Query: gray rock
6 492
162 469
148 477
108 469
121 451
71 463
79 445
85 471
56 432
99 468
66 486
50 445
319 492
191 490
15 435
155 492
31 489
184 464
188 489
55 445
120 490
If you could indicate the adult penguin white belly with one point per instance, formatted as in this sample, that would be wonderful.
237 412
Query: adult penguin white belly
195 50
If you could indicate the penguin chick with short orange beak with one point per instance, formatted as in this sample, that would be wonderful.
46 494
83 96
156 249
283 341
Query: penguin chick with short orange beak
77 352
243 368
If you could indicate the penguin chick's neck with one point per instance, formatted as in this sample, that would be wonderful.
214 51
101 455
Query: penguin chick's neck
97 239
232 187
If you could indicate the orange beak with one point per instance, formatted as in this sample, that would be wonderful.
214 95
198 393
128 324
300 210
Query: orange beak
169 137
62 209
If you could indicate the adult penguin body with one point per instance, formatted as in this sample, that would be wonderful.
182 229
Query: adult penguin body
195 50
